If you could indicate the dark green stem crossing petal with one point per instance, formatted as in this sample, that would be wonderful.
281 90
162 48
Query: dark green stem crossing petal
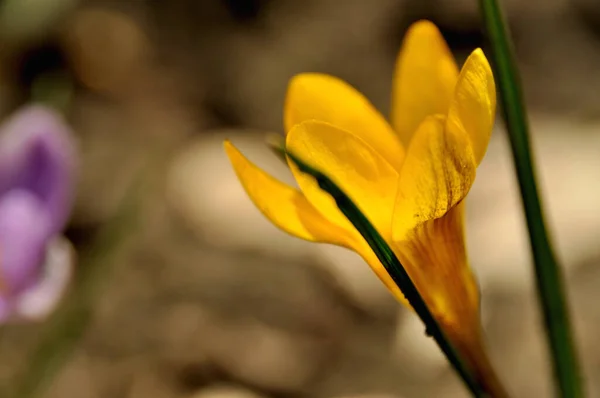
548 276
391 263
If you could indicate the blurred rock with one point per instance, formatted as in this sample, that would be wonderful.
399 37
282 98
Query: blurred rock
107 49
347 40
203 189
225 391
370 396
357 280
272 359
465 14
120 143
413 346
182 333
75 380
111 158
556 54
516 344
567 153
589 12
148 382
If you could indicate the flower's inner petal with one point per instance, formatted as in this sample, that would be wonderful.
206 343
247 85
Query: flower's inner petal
36 155
354 167
424 79
38 301
285 206
437 174
433 254
474 103
24 232
365 176
329 99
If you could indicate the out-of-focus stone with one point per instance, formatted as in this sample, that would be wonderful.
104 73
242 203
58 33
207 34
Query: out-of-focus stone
152 383
111 158
182 334
461 13
313 36
119 144
413 346
374 395
203 189
356 279
107 49
75 380
225 391
567 153
588 11
269 358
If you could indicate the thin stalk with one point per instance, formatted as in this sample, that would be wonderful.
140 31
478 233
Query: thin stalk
68 324
549 279
391 263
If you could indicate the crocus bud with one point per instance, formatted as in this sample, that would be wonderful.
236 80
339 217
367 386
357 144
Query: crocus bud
37 159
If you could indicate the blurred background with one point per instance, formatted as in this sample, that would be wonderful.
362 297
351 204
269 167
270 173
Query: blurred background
205 299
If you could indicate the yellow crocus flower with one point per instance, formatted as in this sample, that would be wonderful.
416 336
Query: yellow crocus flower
409 177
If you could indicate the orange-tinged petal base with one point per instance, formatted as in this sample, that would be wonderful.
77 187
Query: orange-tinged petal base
434 257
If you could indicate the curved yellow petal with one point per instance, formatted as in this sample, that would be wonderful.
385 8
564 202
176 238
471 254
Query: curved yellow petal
313 96
289 210
424 79
473 106
434 256
365 176
285 206
437 174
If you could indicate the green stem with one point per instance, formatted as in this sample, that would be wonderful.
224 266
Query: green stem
548 275
391 263
69 323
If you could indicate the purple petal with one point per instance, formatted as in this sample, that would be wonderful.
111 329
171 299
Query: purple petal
38 301
24 234
36 154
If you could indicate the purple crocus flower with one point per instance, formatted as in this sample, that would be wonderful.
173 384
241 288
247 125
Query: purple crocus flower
37 160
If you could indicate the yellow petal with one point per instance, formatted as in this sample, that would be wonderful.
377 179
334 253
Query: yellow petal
424 79
428 222
359 171
437 174
365 176
434 256
285 206
322 97
474 103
